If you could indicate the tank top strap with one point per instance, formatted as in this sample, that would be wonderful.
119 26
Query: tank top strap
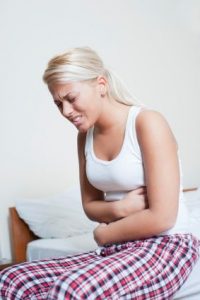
134 111
131 134
88 140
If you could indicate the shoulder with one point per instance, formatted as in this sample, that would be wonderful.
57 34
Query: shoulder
150 118
152 127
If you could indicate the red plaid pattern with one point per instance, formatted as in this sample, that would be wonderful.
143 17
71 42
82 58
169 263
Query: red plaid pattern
154 268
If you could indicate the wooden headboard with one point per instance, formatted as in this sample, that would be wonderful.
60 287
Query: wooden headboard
21 235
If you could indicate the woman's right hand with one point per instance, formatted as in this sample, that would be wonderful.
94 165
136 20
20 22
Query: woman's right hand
133 201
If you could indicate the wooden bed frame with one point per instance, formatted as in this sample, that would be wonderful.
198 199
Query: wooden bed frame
21 235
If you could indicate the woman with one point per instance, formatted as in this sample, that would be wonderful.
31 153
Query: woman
130 183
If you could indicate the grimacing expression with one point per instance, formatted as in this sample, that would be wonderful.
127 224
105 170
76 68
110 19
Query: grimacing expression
79 102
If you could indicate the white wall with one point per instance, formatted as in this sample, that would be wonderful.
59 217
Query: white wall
152 44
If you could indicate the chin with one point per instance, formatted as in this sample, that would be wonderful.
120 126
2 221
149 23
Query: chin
82 129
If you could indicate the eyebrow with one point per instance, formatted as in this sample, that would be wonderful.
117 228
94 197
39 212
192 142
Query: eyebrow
57 100
62 98
74 94
67 95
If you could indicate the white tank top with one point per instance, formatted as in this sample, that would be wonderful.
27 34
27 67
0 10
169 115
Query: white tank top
126 171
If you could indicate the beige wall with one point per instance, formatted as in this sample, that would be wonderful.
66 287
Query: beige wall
153 45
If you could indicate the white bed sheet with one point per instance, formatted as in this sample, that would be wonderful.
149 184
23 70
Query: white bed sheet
49 248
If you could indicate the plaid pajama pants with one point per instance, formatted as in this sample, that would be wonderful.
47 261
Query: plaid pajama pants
153 268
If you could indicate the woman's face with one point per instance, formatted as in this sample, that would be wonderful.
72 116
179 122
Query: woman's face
79 102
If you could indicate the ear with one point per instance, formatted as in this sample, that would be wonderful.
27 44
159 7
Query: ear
102 85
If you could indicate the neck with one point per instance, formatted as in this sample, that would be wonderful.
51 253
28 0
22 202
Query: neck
113 115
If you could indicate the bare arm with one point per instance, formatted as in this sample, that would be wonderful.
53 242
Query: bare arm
161 166
93 200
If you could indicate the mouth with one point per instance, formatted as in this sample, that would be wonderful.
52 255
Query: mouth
76 120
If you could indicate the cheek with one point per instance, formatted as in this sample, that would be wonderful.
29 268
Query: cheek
90 104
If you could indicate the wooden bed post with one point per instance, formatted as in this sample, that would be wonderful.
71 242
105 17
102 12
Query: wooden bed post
21 235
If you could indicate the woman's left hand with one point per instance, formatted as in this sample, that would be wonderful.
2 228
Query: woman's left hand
99 233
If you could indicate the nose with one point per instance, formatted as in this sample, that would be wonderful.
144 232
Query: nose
67 109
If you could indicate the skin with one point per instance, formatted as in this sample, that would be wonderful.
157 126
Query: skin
143 212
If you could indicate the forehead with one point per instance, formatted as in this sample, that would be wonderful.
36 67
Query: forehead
57 88
60 90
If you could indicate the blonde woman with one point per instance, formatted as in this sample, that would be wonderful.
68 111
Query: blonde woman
130 183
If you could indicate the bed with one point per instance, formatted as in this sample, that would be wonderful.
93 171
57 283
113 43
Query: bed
26 245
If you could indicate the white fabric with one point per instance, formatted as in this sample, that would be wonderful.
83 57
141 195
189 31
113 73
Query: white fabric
126 171
49 248
60 216
192 201
122 174
191 288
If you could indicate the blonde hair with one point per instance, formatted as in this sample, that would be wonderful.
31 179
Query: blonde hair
81 64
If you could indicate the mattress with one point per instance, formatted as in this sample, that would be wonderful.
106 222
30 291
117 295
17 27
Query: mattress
49 248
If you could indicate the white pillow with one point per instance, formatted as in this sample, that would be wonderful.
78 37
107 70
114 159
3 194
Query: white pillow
58 216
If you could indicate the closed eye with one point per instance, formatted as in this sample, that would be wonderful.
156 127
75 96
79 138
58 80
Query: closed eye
58 104
70 99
